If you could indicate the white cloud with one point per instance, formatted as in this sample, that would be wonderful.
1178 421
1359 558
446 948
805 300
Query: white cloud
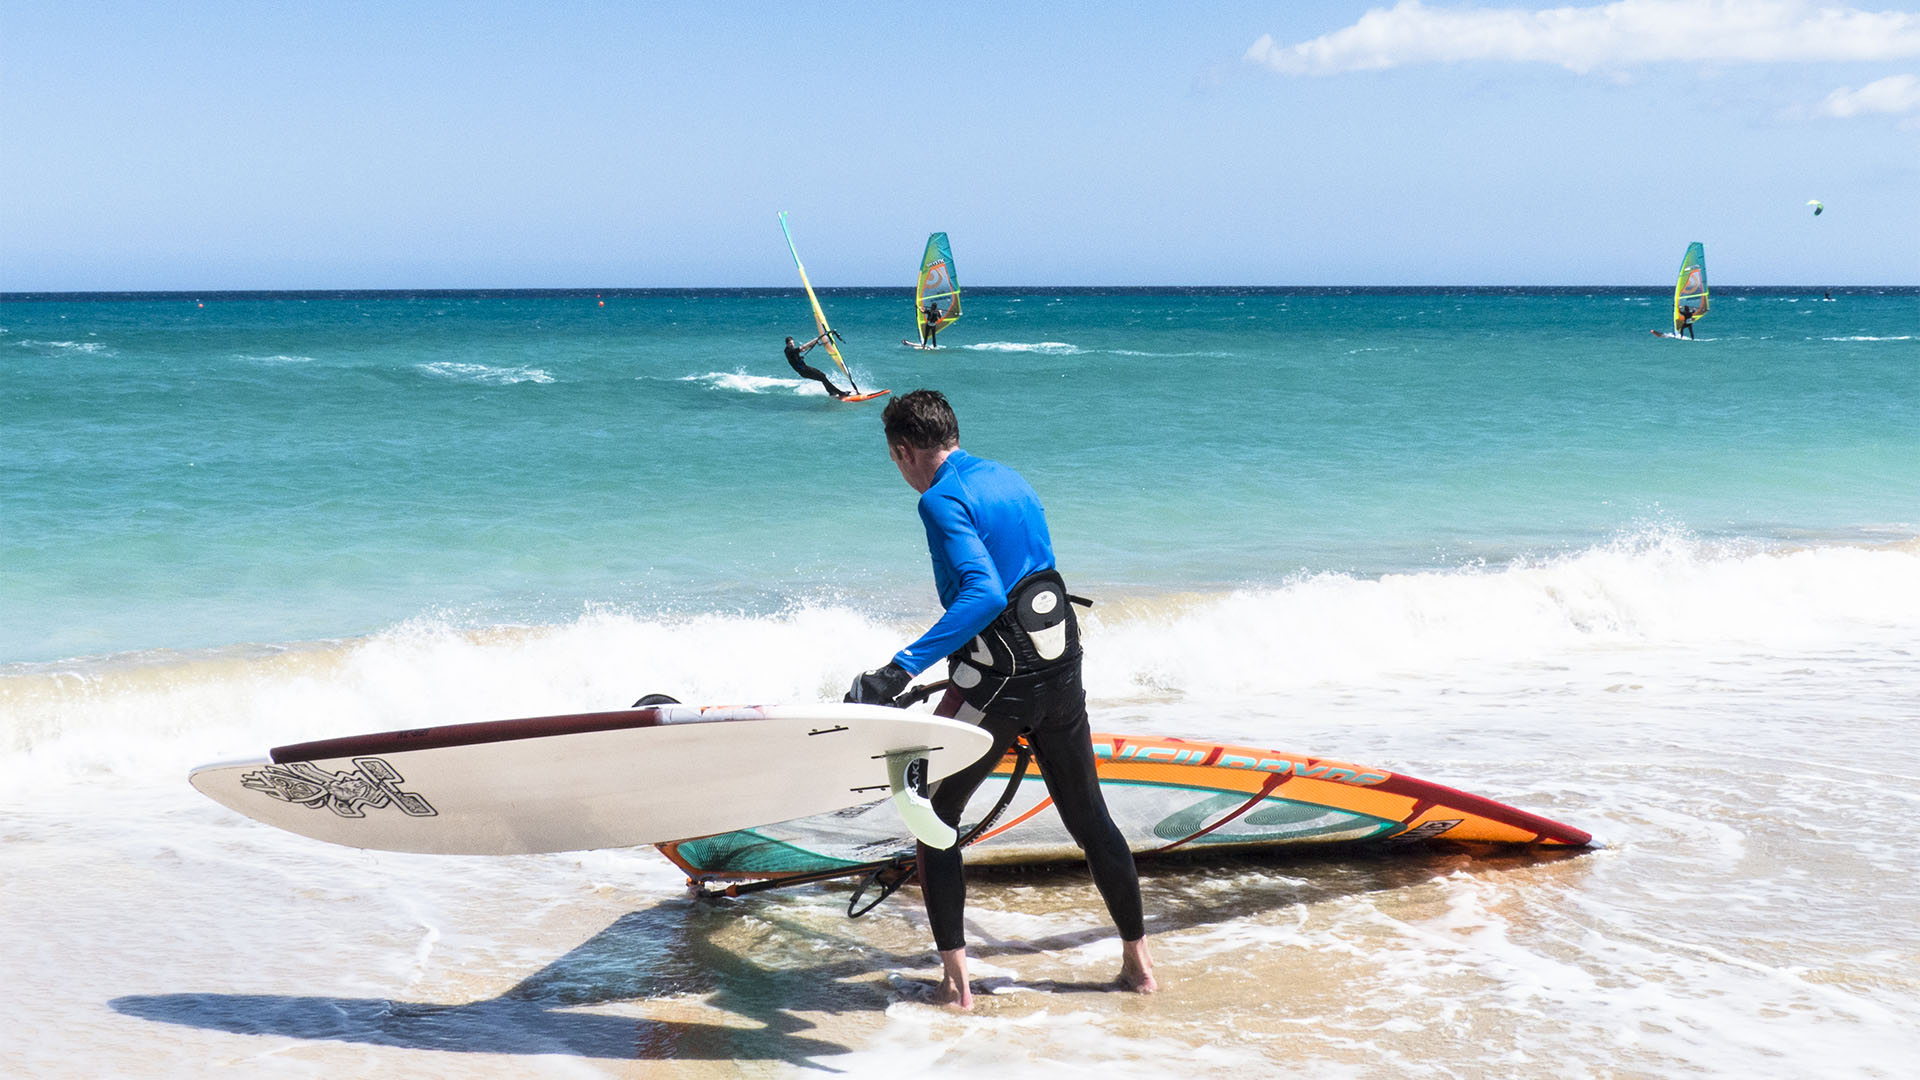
1896 95
1613 35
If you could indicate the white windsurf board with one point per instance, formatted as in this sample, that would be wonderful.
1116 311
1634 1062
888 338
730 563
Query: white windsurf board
588 780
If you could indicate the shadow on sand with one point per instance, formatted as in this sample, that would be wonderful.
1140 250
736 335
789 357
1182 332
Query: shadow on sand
669 949
663 950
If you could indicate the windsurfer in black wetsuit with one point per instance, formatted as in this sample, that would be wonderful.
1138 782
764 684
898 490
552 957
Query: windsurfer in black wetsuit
1687 314
930 326
795 352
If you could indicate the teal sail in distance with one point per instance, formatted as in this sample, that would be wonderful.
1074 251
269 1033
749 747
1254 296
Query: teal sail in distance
938 284
1691 288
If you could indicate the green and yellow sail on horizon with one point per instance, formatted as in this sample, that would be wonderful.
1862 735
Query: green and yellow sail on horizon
827 334
1691 289
937 284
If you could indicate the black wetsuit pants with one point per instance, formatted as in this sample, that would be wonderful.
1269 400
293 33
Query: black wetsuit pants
811 372
1050 709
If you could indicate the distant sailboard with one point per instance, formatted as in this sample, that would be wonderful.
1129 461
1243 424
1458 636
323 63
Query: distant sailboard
938 284
828 335
598 780
1167 795
1690 289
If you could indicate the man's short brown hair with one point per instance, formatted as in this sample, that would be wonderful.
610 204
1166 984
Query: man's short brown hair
921 419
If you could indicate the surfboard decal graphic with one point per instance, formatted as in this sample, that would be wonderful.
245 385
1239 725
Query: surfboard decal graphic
1424 831
372 784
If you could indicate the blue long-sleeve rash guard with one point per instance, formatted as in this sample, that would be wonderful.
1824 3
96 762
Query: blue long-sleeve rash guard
985 531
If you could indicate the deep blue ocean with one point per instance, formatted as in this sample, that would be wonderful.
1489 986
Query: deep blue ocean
189 472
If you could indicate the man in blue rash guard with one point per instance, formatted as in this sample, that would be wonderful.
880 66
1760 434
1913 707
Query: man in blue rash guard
1012 645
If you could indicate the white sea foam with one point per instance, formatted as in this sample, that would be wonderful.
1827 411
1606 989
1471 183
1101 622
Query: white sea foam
1650 592
276 359
485 373
743 383
1735 723
87 347
1045 348
1661 599
1864 337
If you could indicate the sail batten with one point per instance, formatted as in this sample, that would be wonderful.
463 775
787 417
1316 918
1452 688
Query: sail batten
1691 288
937 284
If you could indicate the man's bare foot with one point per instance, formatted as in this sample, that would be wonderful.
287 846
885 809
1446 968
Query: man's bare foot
959 999
1136 968
955 992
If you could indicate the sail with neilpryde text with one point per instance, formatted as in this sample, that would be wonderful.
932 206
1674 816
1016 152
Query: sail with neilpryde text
1691 289
828 336
937 285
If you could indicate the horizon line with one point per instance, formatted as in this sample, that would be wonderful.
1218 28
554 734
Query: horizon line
35 295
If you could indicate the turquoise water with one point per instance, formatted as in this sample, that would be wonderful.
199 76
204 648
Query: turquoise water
1507 541
200 472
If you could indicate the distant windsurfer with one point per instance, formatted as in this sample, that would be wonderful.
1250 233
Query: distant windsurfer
1012 646
795 352
930 326
1687 315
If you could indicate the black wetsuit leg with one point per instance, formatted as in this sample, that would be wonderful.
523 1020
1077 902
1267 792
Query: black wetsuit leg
814 373
943 882
1052 712
1064 749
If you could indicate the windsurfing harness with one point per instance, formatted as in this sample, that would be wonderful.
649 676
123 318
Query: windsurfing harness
1031 639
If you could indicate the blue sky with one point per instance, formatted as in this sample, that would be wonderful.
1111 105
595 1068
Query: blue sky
441 145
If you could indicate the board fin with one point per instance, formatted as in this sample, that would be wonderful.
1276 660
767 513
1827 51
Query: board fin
907 775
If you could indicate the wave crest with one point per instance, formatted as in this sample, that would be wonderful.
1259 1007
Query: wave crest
743 383
1651 605
485 373
1045 348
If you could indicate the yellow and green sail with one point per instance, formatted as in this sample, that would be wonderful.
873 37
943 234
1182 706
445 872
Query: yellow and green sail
828 337
937 284
1691 289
